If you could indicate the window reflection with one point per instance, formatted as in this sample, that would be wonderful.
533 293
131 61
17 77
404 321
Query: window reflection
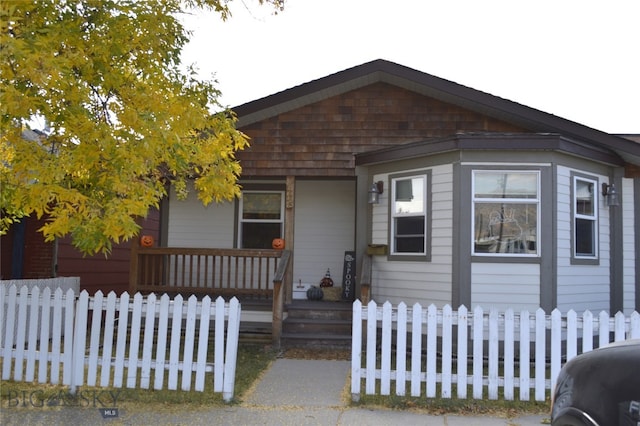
505 212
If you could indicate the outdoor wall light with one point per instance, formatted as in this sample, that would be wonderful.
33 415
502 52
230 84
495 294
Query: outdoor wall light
610 194
375 191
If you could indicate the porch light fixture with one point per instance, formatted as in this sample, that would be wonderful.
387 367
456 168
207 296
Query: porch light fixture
375 191
610 194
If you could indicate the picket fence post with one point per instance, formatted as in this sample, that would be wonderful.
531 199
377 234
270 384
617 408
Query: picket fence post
44 335
385 366
105 367
232 350
447 344
203 339
478 352
356 350
416 350
463 334
634 326
401 350
7 331
372 336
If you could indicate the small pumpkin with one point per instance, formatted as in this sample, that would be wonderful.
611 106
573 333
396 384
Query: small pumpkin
277 243
315 293
146 241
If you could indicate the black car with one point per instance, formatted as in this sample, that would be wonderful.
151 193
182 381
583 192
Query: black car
600 388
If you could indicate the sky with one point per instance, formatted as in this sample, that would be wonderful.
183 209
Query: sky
579 60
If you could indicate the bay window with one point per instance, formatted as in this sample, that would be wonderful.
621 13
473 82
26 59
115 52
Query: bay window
506 212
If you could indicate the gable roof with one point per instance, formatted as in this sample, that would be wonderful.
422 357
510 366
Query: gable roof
444 90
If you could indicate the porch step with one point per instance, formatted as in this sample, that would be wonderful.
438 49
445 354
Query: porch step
325 341
255 332
317 324
320 310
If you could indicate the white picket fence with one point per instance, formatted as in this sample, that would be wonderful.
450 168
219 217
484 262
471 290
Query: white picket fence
93 340
501 348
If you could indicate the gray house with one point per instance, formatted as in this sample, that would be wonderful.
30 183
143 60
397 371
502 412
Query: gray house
446 194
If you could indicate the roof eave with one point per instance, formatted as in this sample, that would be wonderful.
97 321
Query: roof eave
435 87
488 142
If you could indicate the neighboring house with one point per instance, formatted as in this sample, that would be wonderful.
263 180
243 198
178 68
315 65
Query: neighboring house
25 255
483 201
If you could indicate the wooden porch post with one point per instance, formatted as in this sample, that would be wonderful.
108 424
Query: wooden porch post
289 235
278 305
365 280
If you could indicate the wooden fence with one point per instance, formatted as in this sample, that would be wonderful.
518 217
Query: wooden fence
501 349
92 341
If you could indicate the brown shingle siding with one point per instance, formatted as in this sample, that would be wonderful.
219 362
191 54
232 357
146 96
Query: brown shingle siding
320 139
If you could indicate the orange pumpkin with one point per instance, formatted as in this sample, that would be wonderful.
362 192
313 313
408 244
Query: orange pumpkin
277 243
146 241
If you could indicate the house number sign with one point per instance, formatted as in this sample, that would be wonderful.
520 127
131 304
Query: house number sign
348 275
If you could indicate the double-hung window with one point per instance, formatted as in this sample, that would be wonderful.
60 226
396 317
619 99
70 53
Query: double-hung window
506 212
409 215
261 218
585 218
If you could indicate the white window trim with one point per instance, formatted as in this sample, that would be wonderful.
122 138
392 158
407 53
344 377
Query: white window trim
536 201
241 220
594 218
395 215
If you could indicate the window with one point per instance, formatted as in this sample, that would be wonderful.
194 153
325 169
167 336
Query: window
261 218
584 217
506 209
408 215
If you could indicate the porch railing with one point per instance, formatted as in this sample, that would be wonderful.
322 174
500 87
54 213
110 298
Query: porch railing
243 273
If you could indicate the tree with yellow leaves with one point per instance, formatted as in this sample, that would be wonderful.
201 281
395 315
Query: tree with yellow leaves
123 119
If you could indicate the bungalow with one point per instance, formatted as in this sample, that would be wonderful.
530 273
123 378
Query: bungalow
446 194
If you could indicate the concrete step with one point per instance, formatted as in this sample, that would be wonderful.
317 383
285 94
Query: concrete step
319 326
255 332
337 341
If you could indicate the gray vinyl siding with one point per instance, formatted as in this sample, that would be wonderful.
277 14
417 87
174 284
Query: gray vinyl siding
193 225
505 285
324 229
417 281
581 287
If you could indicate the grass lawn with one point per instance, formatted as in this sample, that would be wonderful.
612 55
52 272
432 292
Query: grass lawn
252 361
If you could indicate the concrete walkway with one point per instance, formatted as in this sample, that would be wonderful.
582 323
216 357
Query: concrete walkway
291 392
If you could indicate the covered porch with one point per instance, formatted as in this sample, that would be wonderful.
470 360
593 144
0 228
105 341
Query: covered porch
260 279
253 276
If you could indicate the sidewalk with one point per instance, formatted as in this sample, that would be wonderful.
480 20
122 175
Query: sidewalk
292 392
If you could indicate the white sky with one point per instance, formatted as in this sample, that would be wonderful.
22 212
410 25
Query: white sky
578 59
